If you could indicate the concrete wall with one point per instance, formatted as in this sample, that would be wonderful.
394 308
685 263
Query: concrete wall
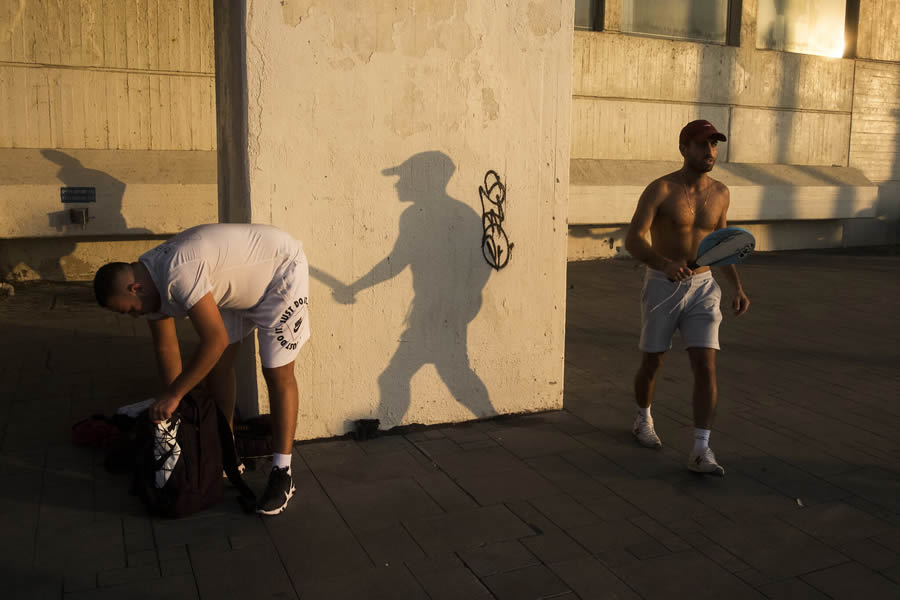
758 192
370 130
632 94
115 95
137 192
68 258
107 75
879 22
875 134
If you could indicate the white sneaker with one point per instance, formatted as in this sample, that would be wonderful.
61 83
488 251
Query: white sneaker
705 462
643 431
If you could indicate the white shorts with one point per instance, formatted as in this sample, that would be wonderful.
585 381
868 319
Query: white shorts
281 318
691 305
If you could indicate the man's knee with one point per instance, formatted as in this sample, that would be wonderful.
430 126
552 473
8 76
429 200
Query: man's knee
650 364
703 362
280 377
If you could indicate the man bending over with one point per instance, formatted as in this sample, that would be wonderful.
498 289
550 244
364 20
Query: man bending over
228 279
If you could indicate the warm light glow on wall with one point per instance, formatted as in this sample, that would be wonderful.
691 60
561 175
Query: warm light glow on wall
826 40
804 26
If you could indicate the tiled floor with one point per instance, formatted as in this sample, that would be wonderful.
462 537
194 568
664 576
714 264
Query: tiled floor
556 505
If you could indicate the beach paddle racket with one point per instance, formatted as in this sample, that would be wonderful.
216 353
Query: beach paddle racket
726 246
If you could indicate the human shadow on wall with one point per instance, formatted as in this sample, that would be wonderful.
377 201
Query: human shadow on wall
109 194
74 174
440 240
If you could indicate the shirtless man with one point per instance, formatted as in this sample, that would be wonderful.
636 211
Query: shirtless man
679 210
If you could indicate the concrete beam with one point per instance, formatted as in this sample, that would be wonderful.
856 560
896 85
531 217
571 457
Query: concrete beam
138 193
606 192
676 71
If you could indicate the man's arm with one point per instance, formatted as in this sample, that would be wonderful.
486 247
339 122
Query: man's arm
165 344
207 321
636 238
740 303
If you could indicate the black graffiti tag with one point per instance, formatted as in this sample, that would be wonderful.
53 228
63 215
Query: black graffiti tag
495 245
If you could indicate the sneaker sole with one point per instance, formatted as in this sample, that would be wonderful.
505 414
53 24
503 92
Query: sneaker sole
280 509
653 446
720 472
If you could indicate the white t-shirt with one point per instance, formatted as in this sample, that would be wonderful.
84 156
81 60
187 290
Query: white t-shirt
233 261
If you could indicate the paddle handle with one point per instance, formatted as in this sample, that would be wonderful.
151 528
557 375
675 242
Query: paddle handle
692 266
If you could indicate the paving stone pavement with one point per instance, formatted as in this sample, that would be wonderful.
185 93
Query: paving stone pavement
553 505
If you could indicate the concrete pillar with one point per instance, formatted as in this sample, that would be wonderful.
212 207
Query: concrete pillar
231 111
370 129
233 175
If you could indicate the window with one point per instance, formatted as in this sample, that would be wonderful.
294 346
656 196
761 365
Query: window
804 26
703 20
587 14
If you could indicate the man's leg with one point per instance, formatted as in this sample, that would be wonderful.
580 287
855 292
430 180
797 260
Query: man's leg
221 382
703 364
645 380
644 385
284 401
287 306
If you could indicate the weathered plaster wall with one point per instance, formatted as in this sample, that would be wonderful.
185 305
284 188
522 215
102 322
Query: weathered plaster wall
370 130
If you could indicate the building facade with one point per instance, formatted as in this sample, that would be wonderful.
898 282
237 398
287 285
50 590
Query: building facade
813 152
116 96
440 159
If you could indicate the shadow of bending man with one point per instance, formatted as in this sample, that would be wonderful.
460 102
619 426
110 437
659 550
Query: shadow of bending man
440 240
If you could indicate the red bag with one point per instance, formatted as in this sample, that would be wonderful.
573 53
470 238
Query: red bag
95 432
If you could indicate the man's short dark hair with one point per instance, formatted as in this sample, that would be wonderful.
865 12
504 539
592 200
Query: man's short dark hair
105 281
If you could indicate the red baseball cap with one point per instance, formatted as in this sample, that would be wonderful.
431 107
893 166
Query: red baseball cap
699 130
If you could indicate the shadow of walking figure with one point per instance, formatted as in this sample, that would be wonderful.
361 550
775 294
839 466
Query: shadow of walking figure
440 240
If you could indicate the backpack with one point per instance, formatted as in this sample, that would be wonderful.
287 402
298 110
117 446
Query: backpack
179 462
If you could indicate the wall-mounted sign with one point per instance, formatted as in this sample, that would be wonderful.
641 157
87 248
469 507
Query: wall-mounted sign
78 194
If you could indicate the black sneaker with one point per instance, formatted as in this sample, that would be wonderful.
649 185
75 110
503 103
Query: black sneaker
241 470
278 492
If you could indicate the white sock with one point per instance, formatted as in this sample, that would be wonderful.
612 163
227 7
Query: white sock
644 412
701 441
281 461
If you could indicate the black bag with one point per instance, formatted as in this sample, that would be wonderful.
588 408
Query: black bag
179 463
